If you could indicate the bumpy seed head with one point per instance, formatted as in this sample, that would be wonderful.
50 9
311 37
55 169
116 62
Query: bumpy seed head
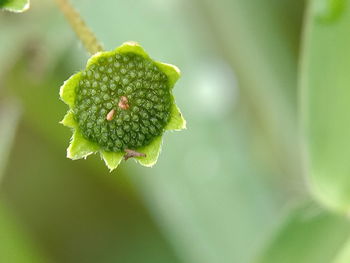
123 102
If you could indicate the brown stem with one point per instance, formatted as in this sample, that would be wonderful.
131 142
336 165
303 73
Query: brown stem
86 36
132 153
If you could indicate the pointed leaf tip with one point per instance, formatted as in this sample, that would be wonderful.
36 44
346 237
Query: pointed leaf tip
111 159
133 47
80 147
95 57
69 120
131 43
173 73
126 47
152 152
67 90
177 121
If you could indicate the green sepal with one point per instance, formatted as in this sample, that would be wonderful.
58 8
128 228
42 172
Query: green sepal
97 56
67 90
80 147
69 120
127 47
152 152
132 47
17 6
112 159
176 121
173 73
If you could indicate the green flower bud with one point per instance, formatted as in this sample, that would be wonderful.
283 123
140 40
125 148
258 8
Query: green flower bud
120 105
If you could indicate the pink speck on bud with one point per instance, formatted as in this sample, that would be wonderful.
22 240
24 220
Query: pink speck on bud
123 103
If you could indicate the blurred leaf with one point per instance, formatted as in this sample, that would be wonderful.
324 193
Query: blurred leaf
209 193
309 235
344 254
9 116
77 214
17 6
325 98
260 40
15 246
224 210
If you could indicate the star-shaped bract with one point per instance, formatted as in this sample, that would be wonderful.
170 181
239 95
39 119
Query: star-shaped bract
120 106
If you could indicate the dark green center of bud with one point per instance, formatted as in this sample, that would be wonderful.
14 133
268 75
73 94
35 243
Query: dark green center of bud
122 102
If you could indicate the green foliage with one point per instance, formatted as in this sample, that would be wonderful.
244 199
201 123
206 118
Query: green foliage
309 234
15 245
17 6
325 97
121 102
343 255
9 117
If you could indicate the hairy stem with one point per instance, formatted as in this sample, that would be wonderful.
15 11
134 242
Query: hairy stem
87 37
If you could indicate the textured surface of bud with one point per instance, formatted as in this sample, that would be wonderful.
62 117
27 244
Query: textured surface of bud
134 92
121 103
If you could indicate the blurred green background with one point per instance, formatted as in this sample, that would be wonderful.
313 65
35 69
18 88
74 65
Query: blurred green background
242 184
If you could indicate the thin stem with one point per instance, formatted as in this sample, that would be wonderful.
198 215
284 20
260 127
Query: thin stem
86 36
